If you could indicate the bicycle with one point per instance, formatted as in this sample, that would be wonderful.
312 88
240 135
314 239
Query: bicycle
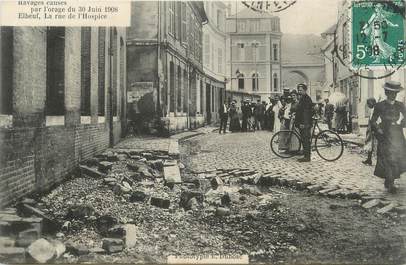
327 143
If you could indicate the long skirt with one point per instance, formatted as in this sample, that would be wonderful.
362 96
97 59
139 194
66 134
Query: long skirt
391 153
341 121
235 124
294 143
284 136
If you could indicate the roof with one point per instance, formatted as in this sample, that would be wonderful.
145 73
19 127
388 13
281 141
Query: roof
249 13
302 49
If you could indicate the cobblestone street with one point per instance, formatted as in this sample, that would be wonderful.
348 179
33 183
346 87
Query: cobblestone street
215 151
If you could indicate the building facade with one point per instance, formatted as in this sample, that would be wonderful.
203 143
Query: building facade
60 105
214 58
164 64
254 53
303 63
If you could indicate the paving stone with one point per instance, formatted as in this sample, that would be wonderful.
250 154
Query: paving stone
105 166
6 242
113 245
160 202
173 149
41 250
91 172
13 255
216 182
387 208
172 175
371 203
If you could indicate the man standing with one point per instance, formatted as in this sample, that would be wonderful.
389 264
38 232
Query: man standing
259 111
329 113
223 113
303 120
246 113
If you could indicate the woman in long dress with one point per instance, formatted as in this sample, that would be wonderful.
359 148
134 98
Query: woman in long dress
276 108
391 151
284 118
234 119
294 141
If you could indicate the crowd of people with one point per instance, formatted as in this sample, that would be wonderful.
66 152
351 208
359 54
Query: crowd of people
295 110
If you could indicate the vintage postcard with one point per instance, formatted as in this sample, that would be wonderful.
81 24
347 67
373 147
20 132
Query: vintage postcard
202 132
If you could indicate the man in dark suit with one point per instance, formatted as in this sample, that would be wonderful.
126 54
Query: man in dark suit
223 113
329 113
259 111
304 120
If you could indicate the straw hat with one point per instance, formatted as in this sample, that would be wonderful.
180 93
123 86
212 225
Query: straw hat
392 86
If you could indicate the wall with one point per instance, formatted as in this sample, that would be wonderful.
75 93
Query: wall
34 155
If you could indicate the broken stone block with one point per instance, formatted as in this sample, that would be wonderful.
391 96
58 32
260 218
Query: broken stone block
371 203
168 163
216 182
105 166
147 156
6 242
60 248
126 185
113 245
47 224
192 204
27 201
12 255
221 211
110 180
88 171
77 250
204 185
92 162
216 197
187 195
122 157
111 156
104 223
27 237
314 188
172 175
156 164
41 251
97 250
160 202
249 190
138 196
127 232
120 189
5 228
80 211
388 208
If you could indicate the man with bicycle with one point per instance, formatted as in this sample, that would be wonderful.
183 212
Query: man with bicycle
303 120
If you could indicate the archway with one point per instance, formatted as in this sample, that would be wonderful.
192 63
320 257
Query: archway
294 77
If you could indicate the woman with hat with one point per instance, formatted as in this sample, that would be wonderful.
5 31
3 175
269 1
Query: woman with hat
234 119
391 151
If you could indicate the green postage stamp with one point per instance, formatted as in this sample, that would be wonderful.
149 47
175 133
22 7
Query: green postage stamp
377 34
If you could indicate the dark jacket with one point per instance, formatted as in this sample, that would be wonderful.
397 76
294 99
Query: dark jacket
304 111
329 111
221 110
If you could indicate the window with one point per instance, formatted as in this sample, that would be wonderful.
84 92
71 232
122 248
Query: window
240 81
255 81
171 24
275 82
55 81
102 70
179 90
6 70
275 51
207 50
255 26
184 23
219 19
220 60
240 53
85 72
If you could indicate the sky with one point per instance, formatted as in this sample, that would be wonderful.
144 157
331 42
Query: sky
305 16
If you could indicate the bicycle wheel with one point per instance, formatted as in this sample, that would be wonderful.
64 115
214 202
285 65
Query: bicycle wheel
329 145
285 143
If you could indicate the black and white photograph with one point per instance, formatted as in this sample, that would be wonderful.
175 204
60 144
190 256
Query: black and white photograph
202 132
